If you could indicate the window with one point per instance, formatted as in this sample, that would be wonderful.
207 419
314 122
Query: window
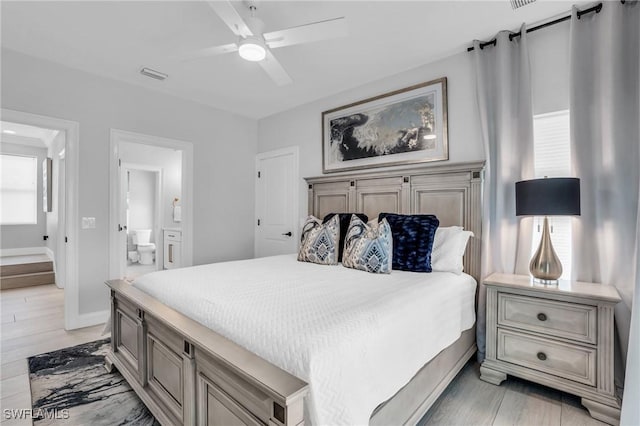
18 190
552 158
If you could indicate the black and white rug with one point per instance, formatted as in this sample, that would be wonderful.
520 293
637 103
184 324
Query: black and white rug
71 387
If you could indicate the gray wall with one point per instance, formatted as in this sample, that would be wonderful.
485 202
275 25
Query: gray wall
225 145
20 236
302 125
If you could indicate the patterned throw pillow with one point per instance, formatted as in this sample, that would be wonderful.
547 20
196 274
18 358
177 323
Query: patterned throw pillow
413 236
345 219
319 243
366 248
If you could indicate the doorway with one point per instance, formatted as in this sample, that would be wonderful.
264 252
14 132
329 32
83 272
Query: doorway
276 202
141 194
60 219
151 194
32 194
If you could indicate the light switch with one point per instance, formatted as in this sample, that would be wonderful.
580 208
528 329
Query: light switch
88 222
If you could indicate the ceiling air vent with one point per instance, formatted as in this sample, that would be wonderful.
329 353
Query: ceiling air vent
153 74
515 4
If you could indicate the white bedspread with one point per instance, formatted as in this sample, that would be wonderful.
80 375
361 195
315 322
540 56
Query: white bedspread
355 337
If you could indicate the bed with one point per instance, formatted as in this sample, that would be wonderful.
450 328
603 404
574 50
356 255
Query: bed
255 348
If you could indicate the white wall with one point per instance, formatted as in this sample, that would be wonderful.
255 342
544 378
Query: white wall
21 236
224 151
302 125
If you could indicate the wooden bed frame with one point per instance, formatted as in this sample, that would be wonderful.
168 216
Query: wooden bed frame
187 374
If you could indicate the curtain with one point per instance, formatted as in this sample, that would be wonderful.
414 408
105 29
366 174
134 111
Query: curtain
605 145
630 408
503 94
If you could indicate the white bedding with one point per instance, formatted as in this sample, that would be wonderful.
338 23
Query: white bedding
355 337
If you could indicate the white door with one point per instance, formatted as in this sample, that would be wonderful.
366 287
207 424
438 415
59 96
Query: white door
276 202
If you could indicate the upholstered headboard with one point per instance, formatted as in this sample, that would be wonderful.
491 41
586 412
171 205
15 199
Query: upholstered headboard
452 192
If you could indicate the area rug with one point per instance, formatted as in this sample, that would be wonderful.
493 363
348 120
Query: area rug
71 387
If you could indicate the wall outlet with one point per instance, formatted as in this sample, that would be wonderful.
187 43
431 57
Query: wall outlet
88 222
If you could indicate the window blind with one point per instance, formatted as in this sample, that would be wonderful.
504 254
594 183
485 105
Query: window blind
552 158
18 190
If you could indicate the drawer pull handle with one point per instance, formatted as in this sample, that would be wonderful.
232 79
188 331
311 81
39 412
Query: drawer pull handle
542 317
542 356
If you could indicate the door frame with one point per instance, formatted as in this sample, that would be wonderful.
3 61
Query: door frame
119 136
158 218
72 317
61 249
294 150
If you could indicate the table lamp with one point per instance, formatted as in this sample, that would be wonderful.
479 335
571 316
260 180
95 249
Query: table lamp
547 197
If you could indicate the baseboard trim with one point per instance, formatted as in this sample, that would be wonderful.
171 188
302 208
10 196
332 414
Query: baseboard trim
25 251
50 253
88 320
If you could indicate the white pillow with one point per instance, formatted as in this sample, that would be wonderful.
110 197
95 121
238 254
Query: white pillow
449 245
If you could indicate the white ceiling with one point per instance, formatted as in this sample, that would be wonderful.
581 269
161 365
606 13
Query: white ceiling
23 134
117 38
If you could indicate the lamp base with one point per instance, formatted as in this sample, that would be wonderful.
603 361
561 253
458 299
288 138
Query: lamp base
545 266
541 282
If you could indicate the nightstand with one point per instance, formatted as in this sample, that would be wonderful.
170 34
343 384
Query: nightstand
558 336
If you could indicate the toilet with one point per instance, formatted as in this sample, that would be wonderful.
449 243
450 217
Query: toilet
146 249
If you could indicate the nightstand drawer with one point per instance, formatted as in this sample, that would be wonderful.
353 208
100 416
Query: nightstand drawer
572 362
558 319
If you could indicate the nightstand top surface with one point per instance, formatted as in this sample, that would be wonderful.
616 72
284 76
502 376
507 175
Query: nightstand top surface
569 288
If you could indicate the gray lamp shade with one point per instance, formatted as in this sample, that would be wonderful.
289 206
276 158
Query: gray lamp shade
548 197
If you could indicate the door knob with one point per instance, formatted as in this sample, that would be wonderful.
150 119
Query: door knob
288 234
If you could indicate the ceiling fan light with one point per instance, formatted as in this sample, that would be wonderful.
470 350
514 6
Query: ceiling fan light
252 49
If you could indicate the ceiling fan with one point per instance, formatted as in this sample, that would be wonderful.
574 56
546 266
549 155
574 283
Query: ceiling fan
254 45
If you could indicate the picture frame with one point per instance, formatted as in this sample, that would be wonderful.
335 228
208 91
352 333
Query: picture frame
401 127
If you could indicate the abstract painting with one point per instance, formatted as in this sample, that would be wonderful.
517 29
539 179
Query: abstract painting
402 127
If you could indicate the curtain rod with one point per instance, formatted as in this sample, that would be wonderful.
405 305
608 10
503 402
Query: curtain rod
597 8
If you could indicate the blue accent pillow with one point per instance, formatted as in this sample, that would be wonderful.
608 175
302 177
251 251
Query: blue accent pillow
345 220
413 237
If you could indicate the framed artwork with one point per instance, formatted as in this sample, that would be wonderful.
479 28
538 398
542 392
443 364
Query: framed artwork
402 127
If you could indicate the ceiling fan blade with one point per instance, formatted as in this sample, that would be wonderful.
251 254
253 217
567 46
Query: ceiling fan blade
206 52
277 73
225 10
317 31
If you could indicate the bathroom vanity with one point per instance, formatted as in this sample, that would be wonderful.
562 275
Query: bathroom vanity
172 238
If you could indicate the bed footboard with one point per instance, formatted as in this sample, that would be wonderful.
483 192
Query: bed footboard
187 374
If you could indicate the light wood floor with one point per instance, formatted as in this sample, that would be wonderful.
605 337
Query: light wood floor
471 401
33 323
